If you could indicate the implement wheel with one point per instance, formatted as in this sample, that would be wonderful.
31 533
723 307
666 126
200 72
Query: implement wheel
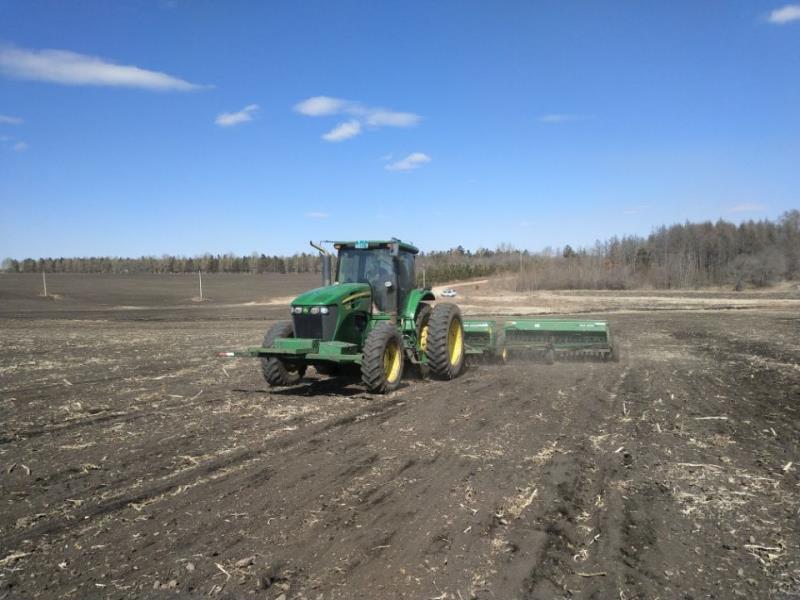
501 355
445 341
614 355
275 370
382 364
549 356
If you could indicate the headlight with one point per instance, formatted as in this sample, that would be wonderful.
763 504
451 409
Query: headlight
324 310
297 310
314 310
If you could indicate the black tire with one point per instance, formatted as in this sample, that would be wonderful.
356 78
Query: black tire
443 365
422 319
276 371
377 374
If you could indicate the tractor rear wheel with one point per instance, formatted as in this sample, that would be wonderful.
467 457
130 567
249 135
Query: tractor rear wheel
276 371
422 321
445 341
382 363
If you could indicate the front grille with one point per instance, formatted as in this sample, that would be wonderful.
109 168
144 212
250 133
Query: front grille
308 326
319 326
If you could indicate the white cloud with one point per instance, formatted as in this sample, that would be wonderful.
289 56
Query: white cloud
20 147
747 207
386 118
234 118
409 163
786 14
9 120
343 131
361 115
71 68
555 118
316 215
319 106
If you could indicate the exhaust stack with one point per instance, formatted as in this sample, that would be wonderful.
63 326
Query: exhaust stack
326 263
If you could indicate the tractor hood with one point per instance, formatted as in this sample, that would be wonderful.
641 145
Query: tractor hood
332 294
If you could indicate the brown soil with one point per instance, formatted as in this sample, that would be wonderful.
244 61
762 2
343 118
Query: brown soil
134 463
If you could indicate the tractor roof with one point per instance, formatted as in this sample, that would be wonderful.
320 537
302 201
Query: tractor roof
371 244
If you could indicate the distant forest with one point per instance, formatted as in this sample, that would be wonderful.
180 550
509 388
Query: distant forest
753 253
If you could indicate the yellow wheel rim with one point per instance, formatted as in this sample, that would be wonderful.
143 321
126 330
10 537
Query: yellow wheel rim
391 362
423 338
455 341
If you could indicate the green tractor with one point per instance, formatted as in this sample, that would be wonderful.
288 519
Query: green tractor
372 319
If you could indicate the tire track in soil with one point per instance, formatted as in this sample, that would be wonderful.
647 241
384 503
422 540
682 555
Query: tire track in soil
203 471
381 516
401 545
379 502
78 484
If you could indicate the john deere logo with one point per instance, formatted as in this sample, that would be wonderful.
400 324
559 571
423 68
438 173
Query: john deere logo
305 310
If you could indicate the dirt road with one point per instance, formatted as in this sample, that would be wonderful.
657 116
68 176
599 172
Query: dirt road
136 464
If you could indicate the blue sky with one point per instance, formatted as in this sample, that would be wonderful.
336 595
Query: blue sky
131 128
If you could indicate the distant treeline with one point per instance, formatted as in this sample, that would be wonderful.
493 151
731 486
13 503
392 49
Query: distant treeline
208 263
754 253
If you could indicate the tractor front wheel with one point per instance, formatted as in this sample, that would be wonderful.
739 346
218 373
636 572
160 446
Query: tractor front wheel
382 362
276 371
445 341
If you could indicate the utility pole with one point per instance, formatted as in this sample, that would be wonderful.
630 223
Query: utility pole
200 277
44 284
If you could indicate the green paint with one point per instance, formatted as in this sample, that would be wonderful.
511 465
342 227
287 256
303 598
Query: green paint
330 295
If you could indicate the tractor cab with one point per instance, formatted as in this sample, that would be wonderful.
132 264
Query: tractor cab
386 266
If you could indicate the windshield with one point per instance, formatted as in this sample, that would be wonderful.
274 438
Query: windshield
376 267
365 266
